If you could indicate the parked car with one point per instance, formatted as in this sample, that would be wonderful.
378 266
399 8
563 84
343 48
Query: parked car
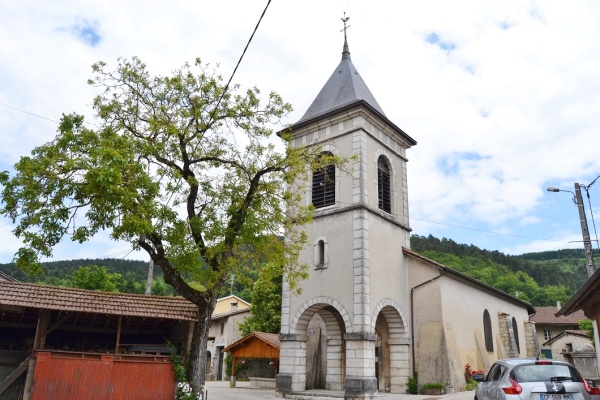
534 379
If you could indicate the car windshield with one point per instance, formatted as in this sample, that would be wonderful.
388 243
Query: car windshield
545 373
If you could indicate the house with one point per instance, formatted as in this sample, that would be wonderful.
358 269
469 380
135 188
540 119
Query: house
229 312
587 299
548 326
114 341
252 347
564 345
373 313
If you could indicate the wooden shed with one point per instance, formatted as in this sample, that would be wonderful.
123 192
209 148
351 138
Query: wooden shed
255 345
65 343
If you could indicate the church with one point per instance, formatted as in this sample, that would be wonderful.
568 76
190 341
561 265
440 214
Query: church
373 313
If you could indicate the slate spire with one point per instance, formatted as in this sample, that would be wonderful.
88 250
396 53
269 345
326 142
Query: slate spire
344 87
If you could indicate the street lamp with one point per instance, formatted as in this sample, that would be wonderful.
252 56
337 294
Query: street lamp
587 243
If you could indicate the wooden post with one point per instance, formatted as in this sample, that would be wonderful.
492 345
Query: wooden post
118 343
38 344
232 377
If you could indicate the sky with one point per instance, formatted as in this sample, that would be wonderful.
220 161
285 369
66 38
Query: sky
503 98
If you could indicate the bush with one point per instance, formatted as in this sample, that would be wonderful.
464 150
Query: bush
434 385
413 384
471 384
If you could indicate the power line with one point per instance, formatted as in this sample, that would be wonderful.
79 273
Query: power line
484 231
30 113
243 53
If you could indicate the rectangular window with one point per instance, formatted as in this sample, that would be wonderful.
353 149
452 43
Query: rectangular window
547 334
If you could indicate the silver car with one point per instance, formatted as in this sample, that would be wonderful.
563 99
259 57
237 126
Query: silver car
533 379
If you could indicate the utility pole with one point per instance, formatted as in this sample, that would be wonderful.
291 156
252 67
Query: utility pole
150 277
589 257
587 243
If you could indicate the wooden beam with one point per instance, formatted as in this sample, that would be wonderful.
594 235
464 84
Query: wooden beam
41 330
13 376
118 334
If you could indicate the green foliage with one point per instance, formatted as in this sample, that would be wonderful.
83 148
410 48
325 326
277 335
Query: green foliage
413 385
177 166
184 388
534 277
94 277
587 325
265 313
434 385
471 384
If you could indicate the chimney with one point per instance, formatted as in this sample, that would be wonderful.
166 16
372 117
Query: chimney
234 306
558 306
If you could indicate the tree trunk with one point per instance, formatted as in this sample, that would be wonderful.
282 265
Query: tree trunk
197 364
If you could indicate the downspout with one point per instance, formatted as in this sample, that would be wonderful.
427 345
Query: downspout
412 318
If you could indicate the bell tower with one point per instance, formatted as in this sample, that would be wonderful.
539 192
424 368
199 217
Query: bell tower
349 329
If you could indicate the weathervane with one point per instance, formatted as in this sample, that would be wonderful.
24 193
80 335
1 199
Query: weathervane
344 20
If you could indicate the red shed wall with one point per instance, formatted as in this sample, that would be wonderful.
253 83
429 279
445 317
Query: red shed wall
66 376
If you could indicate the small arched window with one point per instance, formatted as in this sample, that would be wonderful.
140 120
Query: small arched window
323 185
487 331
384 195
321 253
516 333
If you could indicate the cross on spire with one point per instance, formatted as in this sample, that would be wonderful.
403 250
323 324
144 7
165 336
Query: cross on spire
344 20
346 51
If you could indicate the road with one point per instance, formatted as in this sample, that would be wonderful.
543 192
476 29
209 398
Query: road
220 390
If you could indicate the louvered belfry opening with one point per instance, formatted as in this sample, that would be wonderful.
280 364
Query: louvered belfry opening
323 185
383 185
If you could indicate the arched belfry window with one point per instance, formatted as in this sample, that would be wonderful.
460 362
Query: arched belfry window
516 333
487 331
384 195
323 185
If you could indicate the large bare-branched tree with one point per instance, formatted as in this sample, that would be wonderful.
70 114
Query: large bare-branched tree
177 166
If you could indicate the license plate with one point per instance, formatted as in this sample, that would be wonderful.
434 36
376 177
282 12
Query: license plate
556 397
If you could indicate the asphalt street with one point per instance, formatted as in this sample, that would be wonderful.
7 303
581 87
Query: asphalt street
220 390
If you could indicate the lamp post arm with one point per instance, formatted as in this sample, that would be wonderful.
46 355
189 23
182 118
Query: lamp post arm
587 243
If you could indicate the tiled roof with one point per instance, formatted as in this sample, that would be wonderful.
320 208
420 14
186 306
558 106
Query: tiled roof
272 339
579 333
90 301
6 277
215 317
546 315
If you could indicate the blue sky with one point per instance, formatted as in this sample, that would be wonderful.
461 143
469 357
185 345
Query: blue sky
503 98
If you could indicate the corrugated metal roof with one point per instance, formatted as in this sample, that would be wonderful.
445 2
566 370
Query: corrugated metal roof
547 315
91 301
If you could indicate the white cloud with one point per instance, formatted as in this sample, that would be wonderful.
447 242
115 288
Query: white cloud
508 109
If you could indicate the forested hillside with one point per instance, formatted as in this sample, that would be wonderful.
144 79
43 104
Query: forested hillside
127 276
540 278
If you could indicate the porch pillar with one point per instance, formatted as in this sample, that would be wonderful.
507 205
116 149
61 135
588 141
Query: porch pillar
292 364
360 382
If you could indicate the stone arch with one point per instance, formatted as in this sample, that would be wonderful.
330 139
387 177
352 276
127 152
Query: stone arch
323 321
312 306
397 318
391 347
